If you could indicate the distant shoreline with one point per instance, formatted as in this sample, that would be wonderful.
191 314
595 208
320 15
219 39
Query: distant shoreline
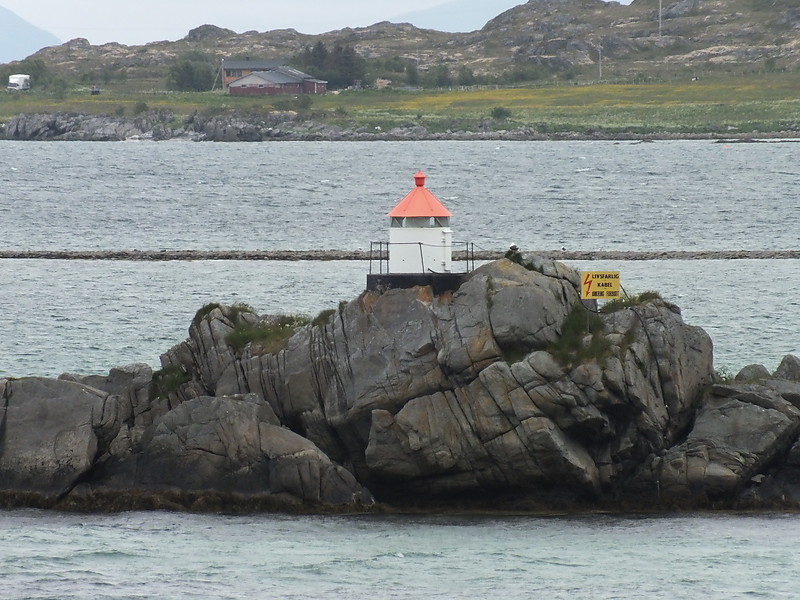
285 126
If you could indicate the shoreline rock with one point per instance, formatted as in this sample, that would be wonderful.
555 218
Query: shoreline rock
509 392
289 126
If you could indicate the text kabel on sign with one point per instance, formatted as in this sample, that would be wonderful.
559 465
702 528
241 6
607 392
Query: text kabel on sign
596 285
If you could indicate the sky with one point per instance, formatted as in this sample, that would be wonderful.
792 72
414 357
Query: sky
143 21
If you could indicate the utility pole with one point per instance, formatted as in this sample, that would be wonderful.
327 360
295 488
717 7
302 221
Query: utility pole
659 17
600 61
219 73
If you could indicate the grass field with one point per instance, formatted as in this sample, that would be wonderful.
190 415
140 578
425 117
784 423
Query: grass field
769 103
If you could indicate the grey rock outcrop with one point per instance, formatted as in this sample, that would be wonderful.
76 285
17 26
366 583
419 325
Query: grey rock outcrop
138 400
233 445
679 9
752 373
738 433
274 126
288 125
510 386
51 434
71 127
789 369
465 393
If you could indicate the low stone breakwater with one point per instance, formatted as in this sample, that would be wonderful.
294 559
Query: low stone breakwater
322 255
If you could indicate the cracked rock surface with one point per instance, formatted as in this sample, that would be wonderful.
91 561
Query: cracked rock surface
509 386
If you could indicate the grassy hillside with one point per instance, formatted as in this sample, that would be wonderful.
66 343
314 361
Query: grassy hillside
767 103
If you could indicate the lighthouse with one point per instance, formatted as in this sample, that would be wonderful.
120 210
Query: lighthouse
420 248
420 238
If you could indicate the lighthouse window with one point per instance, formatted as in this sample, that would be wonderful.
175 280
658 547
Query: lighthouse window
441 221
397 222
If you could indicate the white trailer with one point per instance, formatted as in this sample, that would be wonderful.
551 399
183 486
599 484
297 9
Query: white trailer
18 82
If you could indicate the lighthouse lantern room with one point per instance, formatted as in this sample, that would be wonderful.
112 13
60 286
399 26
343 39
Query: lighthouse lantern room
420 238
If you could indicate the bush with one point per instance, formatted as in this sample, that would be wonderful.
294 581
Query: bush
268 336
500 113
304 101
297 103
323 318
724 375
169 380
203 312
581 338
629 301
191 75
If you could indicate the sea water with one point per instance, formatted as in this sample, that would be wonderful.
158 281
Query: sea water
165 555
691 195
89 316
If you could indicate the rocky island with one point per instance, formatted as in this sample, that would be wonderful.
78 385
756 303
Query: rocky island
508 393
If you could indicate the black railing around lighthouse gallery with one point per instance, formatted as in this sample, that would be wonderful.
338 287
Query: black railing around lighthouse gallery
380 277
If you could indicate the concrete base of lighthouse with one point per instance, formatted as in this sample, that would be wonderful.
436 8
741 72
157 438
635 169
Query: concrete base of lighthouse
439 282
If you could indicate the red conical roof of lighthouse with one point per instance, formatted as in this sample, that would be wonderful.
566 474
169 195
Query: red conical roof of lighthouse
419 202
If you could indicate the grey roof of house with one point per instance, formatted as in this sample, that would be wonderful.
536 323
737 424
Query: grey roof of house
277 76
292 72
253 65
282 76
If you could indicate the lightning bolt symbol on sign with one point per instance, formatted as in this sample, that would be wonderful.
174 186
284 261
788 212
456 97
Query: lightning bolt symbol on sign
588 283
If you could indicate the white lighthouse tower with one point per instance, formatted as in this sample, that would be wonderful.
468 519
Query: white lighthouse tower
420 248
420 238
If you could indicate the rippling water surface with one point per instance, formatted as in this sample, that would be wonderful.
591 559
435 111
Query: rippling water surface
89 316
165 555
86 317
317 195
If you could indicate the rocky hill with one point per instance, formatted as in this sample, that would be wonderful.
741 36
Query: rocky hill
695 37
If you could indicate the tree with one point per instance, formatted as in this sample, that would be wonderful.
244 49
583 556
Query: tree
465 76
34 67
412 74
345 66
438 76
318 56
189 75
521 73
340 67
40 77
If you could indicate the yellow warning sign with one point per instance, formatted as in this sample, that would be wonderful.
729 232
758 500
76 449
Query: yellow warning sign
596 285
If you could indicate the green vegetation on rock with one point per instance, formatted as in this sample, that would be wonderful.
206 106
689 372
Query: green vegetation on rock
268 336
582 338
323 318
168 380
629 301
